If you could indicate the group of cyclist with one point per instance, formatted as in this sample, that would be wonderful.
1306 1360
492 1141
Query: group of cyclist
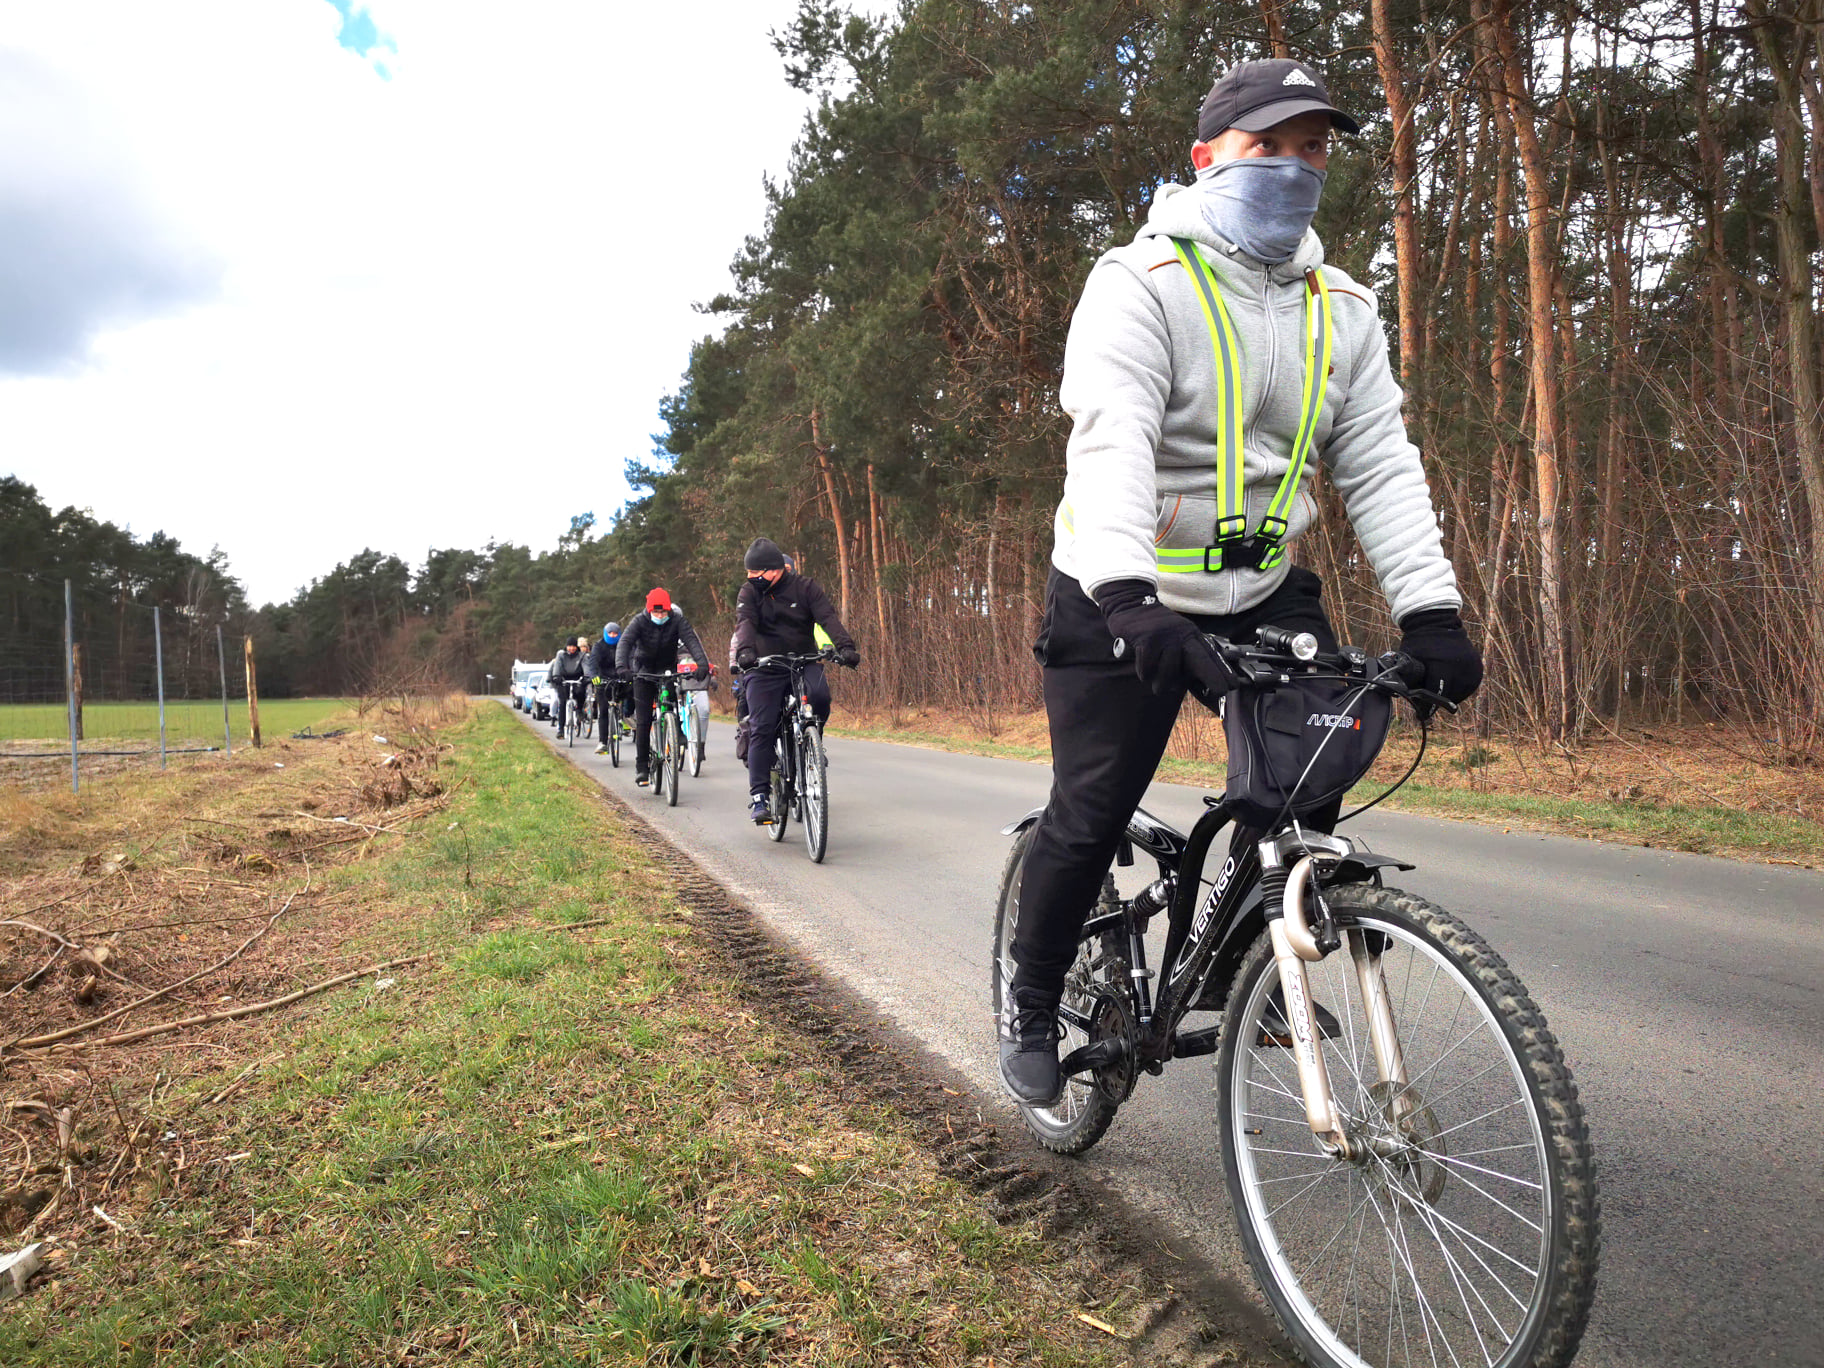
778 612
1211 364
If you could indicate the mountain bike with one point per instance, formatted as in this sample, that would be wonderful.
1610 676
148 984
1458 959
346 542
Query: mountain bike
696 731
1402 1140
608 719
572 724
667 753
800 769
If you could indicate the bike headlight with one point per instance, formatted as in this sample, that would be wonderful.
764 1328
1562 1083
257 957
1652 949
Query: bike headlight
1304 646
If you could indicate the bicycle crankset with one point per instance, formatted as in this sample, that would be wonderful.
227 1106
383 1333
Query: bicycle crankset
1110 1053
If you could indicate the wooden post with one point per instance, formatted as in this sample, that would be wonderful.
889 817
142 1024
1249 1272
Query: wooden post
253 697
76 686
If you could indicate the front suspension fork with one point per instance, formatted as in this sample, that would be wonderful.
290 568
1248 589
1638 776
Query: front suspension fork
1295 945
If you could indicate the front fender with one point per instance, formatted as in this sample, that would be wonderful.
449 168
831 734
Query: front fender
1015 828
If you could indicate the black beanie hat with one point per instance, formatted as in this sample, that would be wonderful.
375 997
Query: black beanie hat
763 555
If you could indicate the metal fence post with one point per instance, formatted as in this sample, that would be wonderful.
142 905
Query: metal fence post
158 654
221 659
69 676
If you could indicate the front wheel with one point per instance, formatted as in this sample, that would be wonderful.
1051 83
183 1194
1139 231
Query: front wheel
1464 1226
570 723
1083 1114
813 785
674 758
613 724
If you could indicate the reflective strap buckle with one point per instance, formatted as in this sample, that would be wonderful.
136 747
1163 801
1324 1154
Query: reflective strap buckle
1231 529
1272 529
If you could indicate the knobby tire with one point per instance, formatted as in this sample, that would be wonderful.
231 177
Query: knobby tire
1083 1114
813 786
1473 1233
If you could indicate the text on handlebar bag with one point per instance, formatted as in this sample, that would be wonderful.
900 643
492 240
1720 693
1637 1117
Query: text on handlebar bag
1313 737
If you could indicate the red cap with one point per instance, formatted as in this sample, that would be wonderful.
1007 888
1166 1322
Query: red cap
658 600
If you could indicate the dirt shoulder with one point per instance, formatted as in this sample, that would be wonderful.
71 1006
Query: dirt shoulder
588 1112
1695 789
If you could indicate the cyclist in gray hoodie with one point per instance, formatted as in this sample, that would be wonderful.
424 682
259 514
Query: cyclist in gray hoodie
1212 364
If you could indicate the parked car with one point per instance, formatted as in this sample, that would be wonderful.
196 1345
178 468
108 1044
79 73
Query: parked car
524 687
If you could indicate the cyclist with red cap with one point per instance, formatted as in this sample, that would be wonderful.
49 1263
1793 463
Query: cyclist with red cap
649 644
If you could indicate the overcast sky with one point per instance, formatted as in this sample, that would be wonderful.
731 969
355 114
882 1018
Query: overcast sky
297 277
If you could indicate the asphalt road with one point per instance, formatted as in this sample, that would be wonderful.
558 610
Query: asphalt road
1685 990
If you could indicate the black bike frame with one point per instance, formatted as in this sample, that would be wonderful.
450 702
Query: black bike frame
1206 936
791 722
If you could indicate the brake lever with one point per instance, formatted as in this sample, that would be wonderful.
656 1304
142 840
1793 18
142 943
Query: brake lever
1432 699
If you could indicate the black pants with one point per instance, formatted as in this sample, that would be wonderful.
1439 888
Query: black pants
767 693
565 688
1108 734
613 699
645 693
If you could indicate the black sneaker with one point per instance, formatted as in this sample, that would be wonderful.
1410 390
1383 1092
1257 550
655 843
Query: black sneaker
759 810
1029 1047
1276 1031
640 779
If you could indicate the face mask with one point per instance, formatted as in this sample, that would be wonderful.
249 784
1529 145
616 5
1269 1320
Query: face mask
1261 204
660 619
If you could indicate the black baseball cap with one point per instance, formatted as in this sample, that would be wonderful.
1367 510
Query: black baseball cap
1253 96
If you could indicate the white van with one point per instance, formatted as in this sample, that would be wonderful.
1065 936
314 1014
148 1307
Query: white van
523 690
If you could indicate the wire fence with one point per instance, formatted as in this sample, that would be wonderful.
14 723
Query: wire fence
145 685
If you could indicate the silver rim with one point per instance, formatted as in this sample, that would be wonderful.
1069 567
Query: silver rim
813 795
1435 1247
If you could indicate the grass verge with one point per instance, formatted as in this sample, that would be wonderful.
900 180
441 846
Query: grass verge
566 1139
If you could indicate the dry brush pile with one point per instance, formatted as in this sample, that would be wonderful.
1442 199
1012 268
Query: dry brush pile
154 929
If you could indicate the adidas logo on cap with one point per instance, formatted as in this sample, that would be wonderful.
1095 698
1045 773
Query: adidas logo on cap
1296 77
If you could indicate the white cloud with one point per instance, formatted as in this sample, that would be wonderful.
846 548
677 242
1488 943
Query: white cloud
449 302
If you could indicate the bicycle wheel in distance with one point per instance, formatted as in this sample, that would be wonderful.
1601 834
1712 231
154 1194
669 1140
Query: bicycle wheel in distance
697 741
1081 1116
613 725
777 803
674 758
813 785
1467 1227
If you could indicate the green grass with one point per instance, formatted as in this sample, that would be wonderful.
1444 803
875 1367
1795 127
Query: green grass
188 723
552 1146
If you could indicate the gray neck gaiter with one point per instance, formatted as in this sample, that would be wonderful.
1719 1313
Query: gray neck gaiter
1261 204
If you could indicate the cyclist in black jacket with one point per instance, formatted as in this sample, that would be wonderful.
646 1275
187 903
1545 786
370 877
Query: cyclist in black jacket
650 643
612 699
776 613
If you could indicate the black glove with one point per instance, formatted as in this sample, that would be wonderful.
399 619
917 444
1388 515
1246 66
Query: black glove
848 655
1435 638
1168 650
745 657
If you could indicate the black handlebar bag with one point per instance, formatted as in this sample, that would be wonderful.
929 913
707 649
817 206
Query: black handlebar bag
1303 744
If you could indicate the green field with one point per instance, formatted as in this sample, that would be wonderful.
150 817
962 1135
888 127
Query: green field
189 723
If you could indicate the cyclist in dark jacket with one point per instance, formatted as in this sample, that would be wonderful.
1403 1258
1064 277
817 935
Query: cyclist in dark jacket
778 612
650 643
612 699
569 672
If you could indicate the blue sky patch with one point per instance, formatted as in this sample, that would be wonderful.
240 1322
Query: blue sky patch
361 36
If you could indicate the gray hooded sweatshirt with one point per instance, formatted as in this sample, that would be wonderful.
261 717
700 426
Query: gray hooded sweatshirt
1140 387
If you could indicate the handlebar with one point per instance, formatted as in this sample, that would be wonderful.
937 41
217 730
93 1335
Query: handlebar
827 655
1277 654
